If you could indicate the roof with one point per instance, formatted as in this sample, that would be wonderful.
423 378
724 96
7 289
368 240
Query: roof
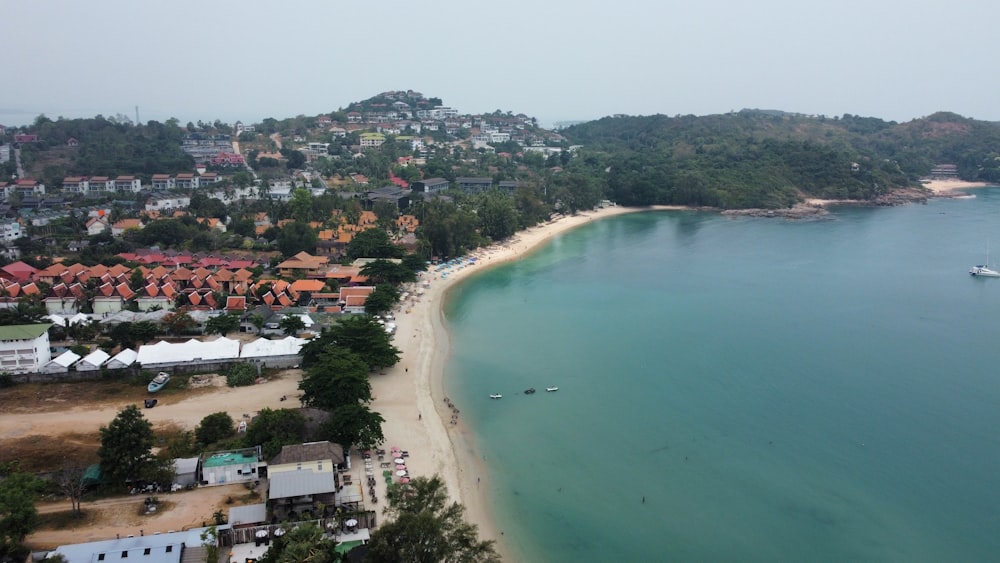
158 544
96 358
285 484
310 451
23 332
249 514
126 357
232 457
262 347
170 353
66 359
184 465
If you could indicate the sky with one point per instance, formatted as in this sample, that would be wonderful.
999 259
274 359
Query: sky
556 60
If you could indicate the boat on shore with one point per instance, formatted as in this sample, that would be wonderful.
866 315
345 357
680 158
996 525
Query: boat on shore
529 391
496 396
158 382
551 389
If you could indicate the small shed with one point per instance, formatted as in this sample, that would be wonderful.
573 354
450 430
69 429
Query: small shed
232 466
186 469
61 363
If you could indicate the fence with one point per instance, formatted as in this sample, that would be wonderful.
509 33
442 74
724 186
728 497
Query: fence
235 536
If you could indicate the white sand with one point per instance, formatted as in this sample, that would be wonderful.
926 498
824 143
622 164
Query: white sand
950 186
411 395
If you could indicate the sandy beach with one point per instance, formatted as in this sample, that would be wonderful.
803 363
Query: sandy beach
411 397
948 187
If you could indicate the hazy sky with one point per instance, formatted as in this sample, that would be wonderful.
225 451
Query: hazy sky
552 59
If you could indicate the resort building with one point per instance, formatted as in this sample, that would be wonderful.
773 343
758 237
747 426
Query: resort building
24 348
232 466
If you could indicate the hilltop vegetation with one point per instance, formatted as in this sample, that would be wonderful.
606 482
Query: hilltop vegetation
770 159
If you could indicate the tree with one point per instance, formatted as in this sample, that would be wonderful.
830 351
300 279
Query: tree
257 320
18 516
425 528
497 215
223 324
360 334
292 324
178 322
339 378
215 427
304 542
354 425
24 313
296 237
372 243
126 446
384 271
382 300
275 428
71 482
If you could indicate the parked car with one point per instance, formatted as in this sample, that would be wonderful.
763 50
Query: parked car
150 403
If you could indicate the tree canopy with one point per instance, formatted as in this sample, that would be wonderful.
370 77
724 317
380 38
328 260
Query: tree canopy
18 515
360 334
424 528
126 447
272 429
215 427
338 378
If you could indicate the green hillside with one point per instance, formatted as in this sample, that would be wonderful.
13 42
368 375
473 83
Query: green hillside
770 159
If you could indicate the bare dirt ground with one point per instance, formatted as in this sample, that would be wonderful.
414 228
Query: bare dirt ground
41 425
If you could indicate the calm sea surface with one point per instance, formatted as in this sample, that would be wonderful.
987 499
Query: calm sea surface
742 389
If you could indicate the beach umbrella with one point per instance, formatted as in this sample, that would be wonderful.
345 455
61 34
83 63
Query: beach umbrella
351 523
404 480
399 460
401 473
400 466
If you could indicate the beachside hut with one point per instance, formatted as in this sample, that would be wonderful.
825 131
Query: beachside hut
61 363
93 361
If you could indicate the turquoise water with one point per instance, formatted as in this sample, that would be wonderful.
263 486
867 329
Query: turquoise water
774 390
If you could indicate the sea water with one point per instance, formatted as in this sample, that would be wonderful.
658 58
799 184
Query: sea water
750 389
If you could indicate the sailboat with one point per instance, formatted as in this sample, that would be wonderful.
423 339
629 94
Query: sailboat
983 270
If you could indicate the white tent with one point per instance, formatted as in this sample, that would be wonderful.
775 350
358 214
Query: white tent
262 347
122 359
93 361
165 353
61 363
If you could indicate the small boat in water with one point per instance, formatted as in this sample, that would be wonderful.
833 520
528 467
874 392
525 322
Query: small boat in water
550 389
158 382
983 270
496 396
529 391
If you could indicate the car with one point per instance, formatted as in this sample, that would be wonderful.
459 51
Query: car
150 403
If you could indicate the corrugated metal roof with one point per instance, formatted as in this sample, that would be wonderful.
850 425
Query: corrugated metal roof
23 332
287 484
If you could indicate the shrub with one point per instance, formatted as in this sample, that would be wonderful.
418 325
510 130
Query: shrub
241 375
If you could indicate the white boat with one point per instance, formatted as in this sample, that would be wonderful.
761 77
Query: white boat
983 270
496 396
550 389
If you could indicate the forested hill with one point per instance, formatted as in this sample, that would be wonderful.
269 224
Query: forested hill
771 159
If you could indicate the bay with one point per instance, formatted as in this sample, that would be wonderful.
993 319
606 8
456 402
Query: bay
741 388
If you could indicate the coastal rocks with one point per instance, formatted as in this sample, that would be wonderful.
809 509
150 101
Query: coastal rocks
799 211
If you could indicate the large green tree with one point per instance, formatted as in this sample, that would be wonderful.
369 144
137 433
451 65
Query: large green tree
382 300
223 324
384 271
354 425
339 378
372 243
497 215
126 447
360 334
272 429
296 237
424 528
215 427
18 515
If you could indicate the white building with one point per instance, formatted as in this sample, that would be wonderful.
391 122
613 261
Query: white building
24 348
9 230
61 363
93 361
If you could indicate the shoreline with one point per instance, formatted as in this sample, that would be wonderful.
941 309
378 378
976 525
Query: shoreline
949 187
411 395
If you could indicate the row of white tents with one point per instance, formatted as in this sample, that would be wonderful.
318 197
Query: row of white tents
163 354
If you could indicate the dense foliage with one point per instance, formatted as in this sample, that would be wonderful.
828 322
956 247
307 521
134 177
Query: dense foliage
771 159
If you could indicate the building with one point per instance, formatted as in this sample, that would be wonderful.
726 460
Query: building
162 182
10 230
232 466
303 263
29 187
169 547
431 185
302 475
392 194
76 185
61 363
127 184
93 361
186 181
24 348
101 184
96 226
474 185
165 201
372 140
